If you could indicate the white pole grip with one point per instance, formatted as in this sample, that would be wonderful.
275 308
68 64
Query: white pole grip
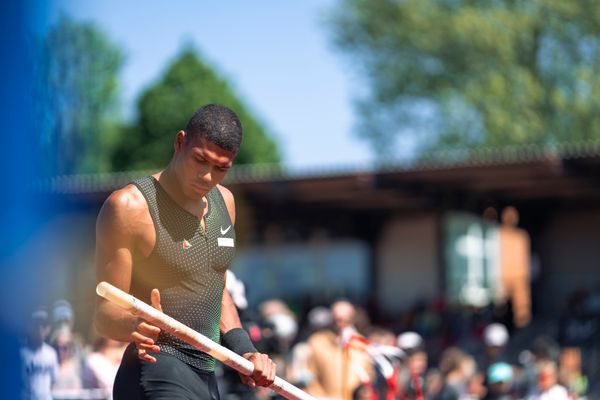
196 339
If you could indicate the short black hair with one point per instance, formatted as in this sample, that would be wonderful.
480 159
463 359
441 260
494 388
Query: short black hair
217 124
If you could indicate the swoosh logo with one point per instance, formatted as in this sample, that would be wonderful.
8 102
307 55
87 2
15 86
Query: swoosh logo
224 231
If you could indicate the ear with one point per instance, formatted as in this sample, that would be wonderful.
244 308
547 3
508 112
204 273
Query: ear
179 141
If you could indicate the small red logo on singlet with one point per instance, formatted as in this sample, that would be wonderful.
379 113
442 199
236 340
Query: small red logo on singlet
186 244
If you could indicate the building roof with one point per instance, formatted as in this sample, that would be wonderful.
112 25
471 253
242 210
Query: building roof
508 174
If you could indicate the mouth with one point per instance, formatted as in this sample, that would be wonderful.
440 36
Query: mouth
200 188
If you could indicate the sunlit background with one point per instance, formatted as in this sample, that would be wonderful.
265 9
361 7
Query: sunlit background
437 163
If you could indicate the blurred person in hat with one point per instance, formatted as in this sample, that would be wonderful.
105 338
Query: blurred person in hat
68 345
499 381
412 376
62 314
495 337
63 322
39 360
493 347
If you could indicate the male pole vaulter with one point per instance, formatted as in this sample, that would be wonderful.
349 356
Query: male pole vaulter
168 240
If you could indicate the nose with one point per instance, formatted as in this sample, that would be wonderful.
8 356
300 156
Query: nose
205 175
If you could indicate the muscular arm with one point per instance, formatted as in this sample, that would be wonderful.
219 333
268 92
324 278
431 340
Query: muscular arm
229 315
114 253
264 367
120 221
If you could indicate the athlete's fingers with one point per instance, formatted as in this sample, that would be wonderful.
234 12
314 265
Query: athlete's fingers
246 380
139 338
253 380
155 299
143 355
148 347
258 367
144 345
264 371
272 372
145 342
148 330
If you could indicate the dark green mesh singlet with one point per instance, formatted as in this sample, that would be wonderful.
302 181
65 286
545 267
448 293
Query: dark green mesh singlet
188 266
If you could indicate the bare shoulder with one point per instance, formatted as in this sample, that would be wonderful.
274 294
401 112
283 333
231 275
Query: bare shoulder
227 195
229 201
123 208
125 200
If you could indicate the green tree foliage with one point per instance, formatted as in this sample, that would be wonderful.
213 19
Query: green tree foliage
165 108
77 86
470 73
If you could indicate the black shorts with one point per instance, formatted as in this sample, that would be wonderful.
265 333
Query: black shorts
168 378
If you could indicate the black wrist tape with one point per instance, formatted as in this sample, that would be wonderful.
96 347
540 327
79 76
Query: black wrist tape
238 341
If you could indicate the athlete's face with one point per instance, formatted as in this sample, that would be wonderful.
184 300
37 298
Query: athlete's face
200 165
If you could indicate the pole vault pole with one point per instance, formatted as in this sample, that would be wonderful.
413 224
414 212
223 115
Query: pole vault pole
196 339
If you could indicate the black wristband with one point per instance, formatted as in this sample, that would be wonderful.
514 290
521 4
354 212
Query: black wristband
238 341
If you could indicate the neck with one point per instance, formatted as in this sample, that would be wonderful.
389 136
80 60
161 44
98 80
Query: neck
170 183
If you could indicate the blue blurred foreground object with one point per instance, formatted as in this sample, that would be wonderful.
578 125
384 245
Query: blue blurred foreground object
18 143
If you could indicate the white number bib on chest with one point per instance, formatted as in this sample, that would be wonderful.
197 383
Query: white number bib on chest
225 242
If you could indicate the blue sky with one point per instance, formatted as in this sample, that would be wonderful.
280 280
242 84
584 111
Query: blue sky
276 54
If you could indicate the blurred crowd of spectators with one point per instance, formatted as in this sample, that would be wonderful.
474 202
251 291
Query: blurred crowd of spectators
335 352
339 361
434 351
58 364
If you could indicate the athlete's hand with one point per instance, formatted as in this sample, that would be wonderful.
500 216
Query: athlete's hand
145 334
264 370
